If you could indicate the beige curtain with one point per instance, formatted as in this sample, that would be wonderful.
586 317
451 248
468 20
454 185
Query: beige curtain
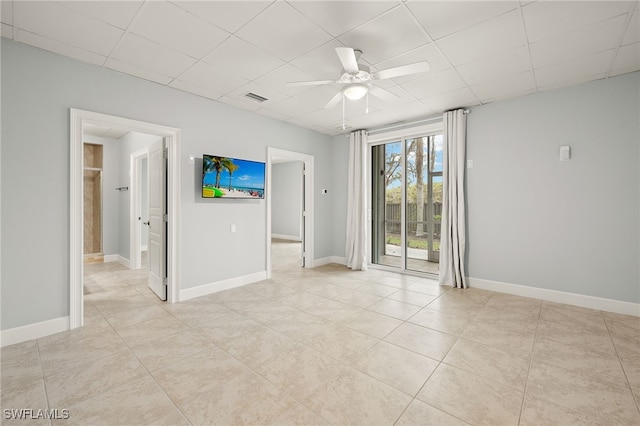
453 234
356 237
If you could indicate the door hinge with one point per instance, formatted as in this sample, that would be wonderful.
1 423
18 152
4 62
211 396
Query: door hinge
166 218
304 254
165 153
304 214
164 281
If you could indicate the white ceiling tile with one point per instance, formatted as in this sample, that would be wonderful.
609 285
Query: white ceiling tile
237 56
441 18
114 64
574 71
116 13
200 91
389 35
455 99
6 12
632 35
338 17
627 59
273 114
206 76
507 87
402 97
488 38
410 111
597 37
495 67
228 15
57 22
318 96
257 89
240 102
292 107
322 63
277 79
445 81
548 18
151 56
283 31
428 53
171 26
58 47
7 31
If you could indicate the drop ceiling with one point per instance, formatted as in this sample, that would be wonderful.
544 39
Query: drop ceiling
479 51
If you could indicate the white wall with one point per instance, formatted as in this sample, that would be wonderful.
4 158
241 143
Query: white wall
568 226
38 88
286 201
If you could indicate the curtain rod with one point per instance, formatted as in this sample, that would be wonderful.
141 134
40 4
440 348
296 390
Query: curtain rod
410 124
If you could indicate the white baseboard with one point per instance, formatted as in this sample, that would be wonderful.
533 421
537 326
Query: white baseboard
599 303
116 258
286 237
203 290
330 259
33 331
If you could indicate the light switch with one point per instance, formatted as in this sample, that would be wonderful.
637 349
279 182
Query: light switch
233 228
565 153
469 164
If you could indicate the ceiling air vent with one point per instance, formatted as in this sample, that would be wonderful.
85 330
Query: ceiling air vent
255 97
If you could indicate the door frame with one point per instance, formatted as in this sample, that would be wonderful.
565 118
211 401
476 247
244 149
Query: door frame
275 154
396 135
77 119
135 207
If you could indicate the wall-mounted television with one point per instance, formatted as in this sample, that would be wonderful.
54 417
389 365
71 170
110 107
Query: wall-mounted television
226 177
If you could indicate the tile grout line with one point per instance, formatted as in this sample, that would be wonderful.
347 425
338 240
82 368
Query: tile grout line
531 355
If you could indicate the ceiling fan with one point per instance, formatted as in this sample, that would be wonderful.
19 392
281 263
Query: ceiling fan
358 80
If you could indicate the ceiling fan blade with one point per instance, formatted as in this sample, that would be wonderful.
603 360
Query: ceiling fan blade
383 94
348 59
309 83
403 70
334 101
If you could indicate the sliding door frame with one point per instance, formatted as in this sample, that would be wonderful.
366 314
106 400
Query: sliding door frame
399 135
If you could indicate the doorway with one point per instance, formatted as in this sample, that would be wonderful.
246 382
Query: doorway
406 189
287 218
294 232
171 136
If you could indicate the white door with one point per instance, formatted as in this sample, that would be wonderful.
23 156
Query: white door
156 190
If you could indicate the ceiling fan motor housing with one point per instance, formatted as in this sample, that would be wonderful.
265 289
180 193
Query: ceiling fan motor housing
356 77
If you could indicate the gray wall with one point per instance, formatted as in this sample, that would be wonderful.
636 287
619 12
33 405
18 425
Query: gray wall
340 175
38 88
286 198
568 226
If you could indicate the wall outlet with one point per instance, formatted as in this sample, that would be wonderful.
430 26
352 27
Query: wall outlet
469 164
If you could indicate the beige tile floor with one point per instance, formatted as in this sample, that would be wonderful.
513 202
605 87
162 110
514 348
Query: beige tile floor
328 346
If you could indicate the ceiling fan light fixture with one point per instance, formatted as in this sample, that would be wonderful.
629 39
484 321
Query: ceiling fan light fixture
355 91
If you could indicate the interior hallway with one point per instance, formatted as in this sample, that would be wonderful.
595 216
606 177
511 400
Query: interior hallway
328 346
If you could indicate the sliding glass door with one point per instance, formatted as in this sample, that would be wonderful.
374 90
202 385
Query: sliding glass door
406 203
